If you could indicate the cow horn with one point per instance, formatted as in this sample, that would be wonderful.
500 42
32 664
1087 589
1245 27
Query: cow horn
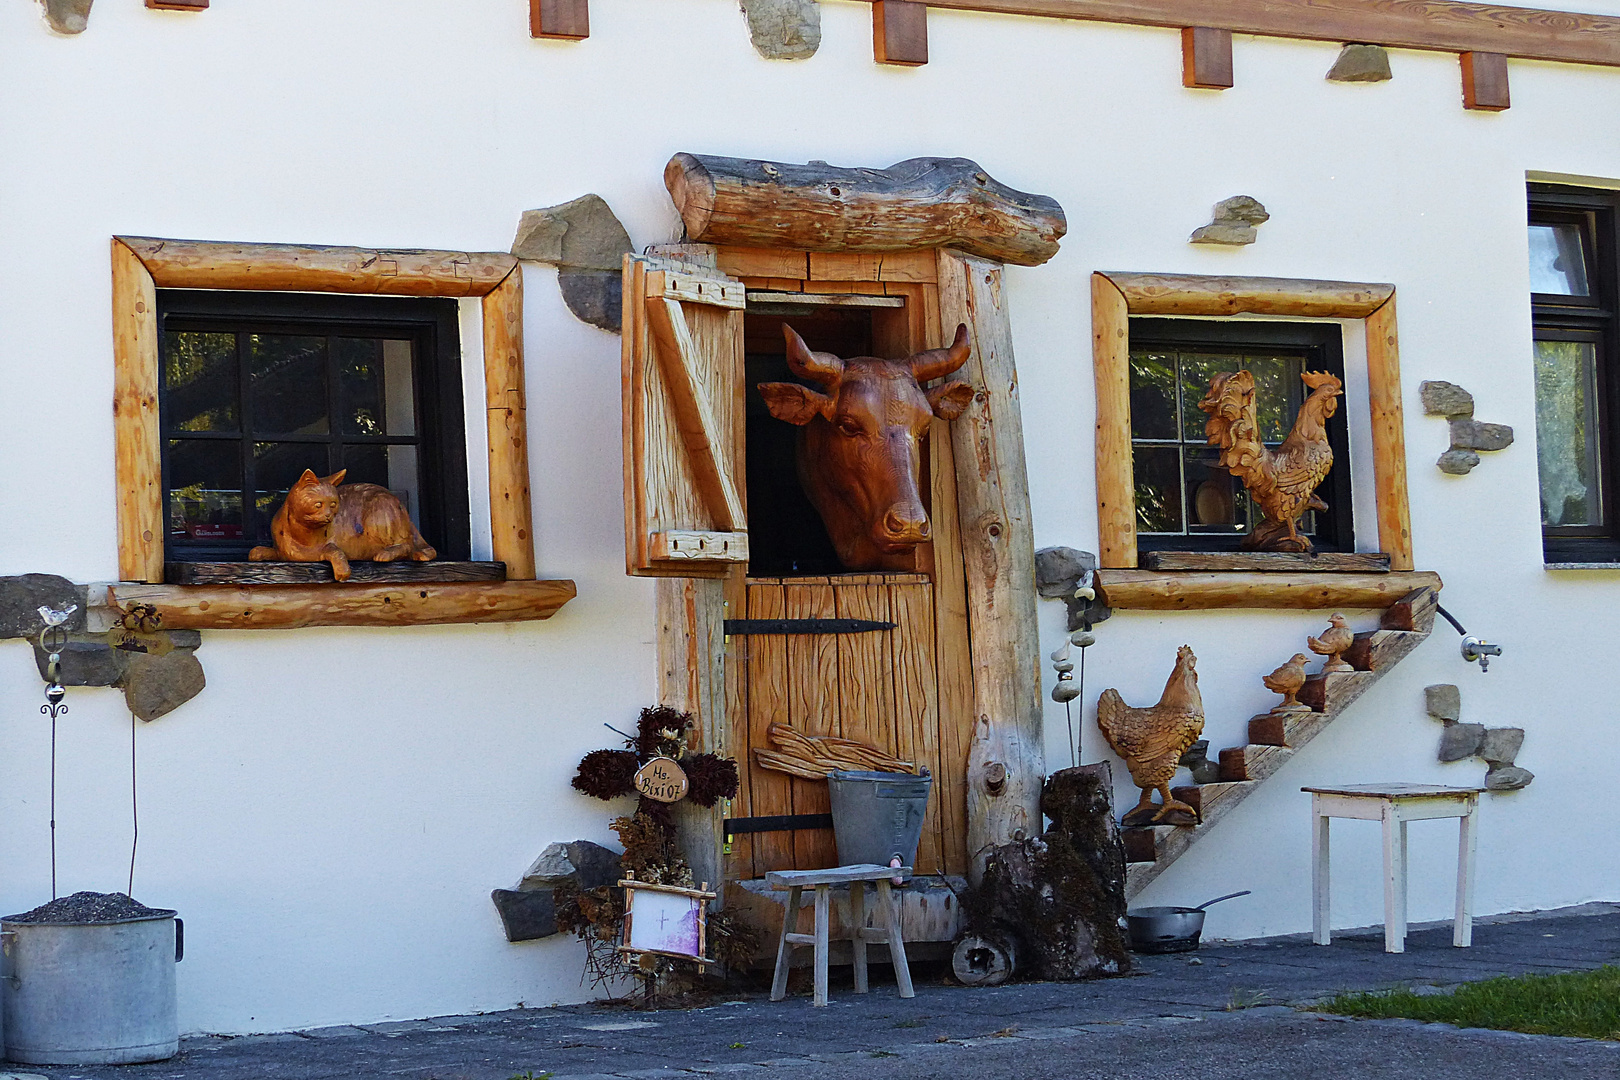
824 368
937 362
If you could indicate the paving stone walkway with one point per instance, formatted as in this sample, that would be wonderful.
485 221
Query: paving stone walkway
1227 1012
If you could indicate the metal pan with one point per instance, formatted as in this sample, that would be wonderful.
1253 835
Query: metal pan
1170 929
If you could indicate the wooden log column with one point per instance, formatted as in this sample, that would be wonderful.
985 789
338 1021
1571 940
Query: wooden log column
1006 759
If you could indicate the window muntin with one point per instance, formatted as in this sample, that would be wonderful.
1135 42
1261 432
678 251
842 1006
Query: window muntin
1572 244
1185 500
255 388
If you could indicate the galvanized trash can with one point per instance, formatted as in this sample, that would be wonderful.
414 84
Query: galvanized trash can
878 815
85 992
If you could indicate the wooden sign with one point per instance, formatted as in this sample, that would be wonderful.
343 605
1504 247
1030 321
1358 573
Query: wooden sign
665 920
663 779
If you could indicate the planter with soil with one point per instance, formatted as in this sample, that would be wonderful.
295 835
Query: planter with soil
89 979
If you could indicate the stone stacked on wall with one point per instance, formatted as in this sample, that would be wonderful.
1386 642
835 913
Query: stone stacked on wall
1497 747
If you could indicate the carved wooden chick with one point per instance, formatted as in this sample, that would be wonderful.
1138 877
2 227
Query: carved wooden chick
1333 641
1286 681
1152 740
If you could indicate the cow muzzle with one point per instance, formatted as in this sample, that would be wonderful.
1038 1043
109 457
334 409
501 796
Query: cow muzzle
903 528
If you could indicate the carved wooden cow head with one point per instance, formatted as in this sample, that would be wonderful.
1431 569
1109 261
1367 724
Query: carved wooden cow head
859 450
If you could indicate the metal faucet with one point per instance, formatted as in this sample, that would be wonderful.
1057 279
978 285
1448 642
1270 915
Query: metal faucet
1474 648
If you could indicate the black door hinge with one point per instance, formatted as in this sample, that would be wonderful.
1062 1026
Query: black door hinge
742 627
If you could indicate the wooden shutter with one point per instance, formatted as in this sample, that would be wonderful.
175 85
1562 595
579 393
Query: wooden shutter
685 514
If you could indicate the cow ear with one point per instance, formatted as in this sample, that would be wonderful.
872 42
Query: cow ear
794 403
951 399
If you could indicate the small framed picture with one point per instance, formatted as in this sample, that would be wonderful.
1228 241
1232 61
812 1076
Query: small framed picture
665 920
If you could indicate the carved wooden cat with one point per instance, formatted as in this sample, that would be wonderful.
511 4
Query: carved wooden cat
322 522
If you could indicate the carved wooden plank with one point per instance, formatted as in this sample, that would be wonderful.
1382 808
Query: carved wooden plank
915 266
1389 435
692 677
299 573
1167 590
900 32
1269 561
137 447
1252 762
1006 762
289 607
770 792
1206 58
916 702
511 517
1417 24
1111 368
705 442
676 545
201 264
1414 611
753 262
952 652
921 203
567 20
812 688
865 682
1197 294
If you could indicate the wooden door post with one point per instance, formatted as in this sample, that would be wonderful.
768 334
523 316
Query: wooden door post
1006 761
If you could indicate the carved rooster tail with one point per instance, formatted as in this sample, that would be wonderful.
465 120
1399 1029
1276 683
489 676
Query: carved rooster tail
1233 427
1110 707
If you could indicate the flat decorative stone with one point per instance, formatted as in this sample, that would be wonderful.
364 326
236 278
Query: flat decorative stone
87 660
1459 741
594 296
1444 701
1445 399
526 914
1469 434
586 864
1059 570
1361 63
1458 462
22 596
582 234
155 686
67 16
784 29
1234 222
1500 746
1507 778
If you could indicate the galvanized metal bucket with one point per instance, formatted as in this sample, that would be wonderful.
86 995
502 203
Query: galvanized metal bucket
878 815
91 993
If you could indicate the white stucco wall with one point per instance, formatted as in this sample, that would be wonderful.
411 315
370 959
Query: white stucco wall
331 813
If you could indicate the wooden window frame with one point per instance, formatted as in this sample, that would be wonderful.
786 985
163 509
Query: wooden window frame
1115 297
142 265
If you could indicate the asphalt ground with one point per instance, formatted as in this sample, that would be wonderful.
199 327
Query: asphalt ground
1233 1011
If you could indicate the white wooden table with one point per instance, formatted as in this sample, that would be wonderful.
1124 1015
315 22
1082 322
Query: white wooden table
887 931
1394 805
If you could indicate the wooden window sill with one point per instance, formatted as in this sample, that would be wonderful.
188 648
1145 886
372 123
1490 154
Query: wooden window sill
289 607
1581 566
1200 590
320 573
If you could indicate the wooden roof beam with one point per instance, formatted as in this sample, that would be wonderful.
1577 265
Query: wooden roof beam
1437 25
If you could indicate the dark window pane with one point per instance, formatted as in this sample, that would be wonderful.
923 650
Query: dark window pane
276 467
360 383
288 382
1158 488
1566 432
1558 260
205 489
1278 394
1198 370
1153 395
200 382
1216 500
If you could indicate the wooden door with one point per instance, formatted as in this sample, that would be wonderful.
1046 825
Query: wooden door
877 687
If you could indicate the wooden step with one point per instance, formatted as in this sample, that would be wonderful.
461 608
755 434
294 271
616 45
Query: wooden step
1289 729
1252 762
1208 799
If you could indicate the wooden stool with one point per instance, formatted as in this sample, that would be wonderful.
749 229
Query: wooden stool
887 932
1394 805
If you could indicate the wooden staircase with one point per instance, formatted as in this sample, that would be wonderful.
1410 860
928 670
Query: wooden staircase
1273 740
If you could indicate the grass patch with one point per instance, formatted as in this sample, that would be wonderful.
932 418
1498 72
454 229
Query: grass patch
1585 1004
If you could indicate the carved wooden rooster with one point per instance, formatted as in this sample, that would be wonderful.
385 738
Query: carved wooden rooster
1282 482
1152 740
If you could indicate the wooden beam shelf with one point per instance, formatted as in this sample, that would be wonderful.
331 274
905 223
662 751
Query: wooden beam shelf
1436 25
1188 590
290 607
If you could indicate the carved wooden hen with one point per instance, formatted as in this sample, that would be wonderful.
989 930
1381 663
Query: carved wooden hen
1152 740
1333 641
1286 681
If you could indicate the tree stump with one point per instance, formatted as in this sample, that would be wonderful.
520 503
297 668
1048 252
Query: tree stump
1051 906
